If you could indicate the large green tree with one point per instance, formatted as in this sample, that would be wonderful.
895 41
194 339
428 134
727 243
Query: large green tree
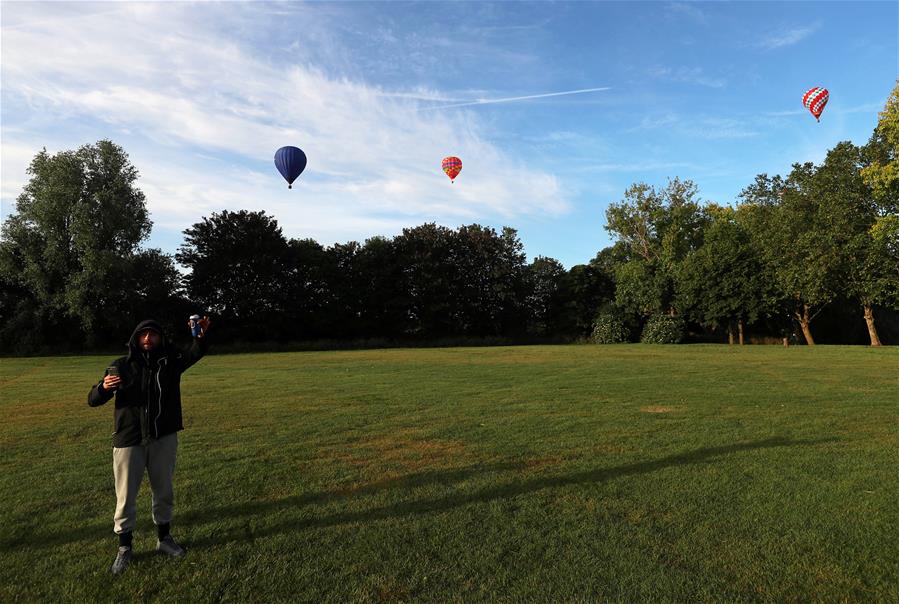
365 290
469 281
426 253
794 236
490 274
722 283
548 297
593 285
874 266
814 230
658 228
380 284
239 269
308 287
874 272
882 172
68 248
852 209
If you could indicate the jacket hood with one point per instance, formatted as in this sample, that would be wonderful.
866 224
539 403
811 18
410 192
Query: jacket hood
134 350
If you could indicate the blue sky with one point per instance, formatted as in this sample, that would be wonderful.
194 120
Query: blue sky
201 95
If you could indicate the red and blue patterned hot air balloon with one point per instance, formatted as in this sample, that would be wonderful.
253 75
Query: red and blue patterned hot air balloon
290 161
814 100
452 166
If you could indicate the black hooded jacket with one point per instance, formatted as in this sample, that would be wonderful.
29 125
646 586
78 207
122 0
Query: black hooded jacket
148 401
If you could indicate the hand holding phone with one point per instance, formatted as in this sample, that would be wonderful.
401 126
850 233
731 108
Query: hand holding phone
112 380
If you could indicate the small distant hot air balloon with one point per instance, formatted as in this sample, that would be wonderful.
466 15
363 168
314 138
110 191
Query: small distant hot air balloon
452 166
815 100
290 161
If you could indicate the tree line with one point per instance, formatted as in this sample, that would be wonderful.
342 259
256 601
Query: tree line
813 255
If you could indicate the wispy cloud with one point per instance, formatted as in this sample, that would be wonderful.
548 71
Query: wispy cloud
688 75
785 113
16 159
864 108
182 89
517 98
871 107
714 128
703 127
690 10
651 122
789 36
635 166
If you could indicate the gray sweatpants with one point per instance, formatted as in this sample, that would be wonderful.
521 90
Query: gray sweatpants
128 465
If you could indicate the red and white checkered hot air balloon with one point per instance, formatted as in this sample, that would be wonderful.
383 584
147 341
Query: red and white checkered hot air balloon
452 166
815 99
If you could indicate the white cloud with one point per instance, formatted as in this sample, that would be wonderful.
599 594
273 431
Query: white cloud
651 122
703 127
13 165
197 103
788 37
638 166
718 128
688 75
786 113
872 107
689 9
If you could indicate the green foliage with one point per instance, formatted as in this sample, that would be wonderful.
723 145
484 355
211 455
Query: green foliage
592 285
548 295
609 328
238 269
724 281
490 280
882 173
379 280
881 263
658 229
642 287
69 246
464 282
810 237
663 329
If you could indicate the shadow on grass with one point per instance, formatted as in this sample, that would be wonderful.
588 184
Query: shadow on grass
30 538
406 508
508 490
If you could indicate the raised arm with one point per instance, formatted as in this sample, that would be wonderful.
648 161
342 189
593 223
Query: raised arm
198 347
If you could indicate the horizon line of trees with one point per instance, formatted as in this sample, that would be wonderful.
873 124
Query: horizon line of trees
815 253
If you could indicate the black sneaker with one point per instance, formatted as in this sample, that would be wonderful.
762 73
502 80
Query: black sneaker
122 560
169 547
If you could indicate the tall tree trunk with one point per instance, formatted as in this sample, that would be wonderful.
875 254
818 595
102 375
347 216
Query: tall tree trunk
740 326
730 333
872 331
805 324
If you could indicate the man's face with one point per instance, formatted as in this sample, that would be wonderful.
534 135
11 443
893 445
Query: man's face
148 340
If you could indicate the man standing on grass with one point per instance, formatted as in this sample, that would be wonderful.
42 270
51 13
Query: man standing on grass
147 388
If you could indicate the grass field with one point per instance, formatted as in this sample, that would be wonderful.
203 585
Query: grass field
550 473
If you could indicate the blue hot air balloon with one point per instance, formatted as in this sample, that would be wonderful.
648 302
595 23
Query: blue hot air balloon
290 161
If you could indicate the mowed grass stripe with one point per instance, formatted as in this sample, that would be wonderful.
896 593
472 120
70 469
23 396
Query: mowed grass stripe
545 473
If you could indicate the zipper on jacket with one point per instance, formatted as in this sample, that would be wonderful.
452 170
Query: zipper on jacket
148 380
159 386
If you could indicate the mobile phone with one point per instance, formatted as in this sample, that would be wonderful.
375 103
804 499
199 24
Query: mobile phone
112 370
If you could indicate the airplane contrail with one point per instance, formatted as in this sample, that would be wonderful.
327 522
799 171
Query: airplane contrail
516 98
